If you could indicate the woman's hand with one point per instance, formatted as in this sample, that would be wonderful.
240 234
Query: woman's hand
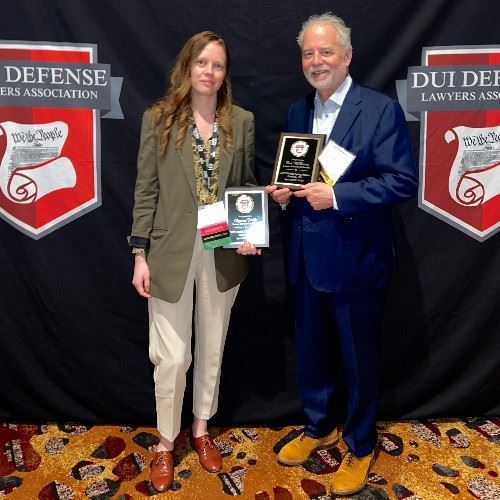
248 248
141 279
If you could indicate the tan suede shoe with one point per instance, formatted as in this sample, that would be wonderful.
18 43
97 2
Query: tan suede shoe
208 454
352 474
162 470
298 450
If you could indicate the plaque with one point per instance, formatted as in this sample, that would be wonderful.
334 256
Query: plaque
297 159
246 209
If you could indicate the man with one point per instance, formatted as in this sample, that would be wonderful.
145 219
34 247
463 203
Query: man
341 250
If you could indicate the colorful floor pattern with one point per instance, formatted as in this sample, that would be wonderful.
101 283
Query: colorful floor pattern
417 460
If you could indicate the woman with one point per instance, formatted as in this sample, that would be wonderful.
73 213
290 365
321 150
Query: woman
194 144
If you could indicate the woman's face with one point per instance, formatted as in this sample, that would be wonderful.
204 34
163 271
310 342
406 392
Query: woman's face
208 70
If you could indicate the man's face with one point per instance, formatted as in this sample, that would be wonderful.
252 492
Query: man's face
324 61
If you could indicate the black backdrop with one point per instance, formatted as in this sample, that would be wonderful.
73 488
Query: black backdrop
73 332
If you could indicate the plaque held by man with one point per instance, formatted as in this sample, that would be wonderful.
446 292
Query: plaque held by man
296 161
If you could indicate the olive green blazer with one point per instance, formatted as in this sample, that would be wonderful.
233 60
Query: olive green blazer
166 204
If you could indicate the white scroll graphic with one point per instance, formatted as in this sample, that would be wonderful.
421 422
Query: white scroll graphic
31 165
475 173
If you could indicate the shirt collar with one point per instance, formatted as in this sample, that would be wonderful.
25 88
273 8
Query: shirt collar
338 97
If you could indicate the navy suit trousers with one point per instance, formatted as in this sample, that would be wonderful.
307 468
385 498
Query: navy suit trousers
326 323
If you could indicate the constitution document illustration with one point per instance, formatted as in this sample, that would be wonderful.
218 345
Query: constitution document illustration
32 165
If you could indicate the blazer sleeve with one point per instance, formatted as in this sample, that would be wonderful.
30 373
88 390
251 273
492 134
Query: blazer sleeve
391 171
147 184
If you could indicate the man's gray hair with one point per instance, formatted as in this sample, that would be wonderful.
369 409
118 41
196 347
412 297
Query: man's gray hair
344 33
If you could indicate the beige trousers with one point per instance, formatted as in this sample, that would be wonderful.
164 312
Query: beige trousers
170 327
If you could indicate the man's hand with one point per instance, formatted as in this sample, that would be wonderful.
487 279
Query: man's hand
318 194
279 195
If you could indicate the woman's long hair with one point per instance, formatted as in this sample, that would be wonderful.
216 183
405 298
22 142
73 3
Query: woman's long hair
175 105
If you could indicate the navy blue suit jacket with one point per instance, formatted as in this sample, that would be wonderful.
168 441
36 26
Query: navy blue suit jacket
350 249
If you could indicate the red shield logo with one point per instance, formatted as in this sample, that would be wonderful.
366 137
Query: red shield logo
457 92
49 133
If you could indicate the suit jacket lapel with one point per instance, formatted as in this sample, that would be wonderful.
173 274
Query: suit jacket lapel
309 113
348 113
186 159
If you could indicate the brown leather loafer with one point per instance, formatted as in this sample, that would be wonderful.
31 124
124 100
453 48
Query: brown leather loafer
209 455
162 470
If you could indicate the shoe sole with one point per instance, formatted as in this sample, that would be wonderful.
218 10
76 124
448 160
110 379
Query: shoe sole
350 492
300 462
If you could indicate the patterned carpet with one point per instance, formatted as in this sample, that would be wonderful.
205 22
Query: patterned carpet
427 460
